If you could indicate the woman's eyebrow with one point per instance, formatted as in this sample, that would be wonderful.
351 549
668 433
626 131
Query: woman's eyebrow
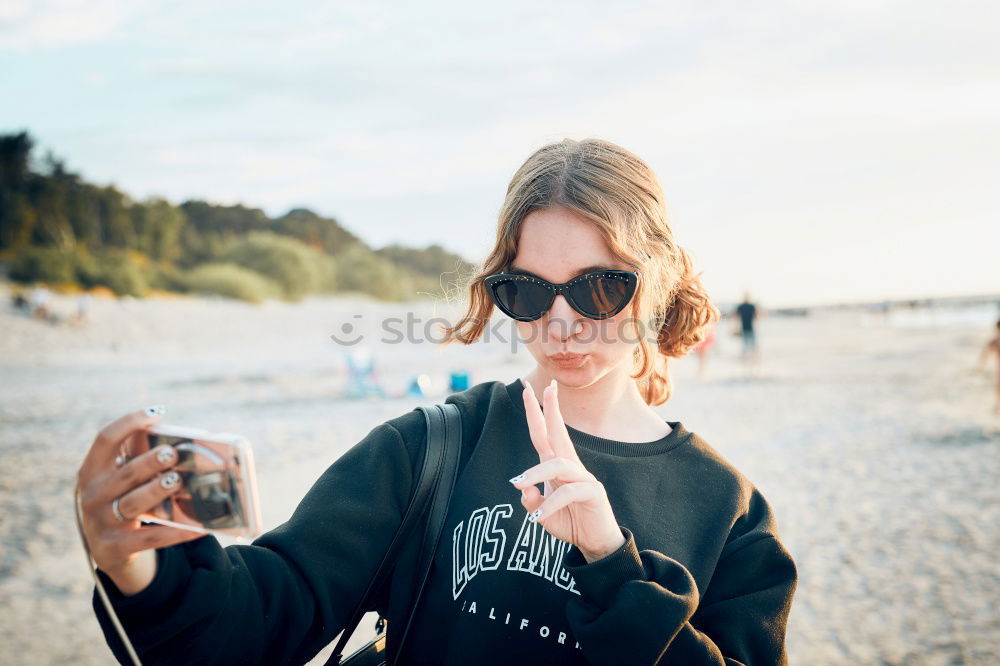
581 271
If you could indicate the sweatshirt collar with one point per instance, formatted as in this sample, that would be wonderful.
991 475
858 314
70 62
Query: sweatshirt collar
678 433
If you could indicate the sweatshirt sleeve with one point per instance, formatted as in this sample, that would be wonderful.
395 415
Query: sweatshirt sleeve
284 597
643 607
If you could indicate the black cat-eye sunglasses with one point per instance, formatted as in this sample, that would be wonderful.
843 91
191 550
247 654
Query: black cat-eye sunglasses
596 295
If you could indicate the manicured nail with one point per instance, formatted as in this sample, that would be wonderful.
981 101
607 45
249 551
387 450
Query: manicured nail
518 478
155 410
165 455
170 480
535 515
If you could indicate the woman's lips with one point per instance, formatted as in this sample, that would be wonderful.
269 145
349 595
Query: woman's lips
568 360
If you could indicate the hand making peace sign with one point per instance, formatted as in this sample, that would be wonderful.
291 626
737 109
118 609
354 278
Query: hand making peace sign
575 507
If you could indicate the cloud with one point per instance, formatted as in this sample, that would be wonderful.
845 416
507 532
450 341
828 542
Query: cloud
29 25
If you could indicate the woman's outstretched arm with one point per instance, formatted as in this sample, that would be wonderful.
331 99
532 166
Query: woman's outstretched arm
284 597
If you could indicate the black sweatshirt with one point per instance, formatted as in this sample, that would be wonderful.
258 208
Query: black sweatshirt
702 578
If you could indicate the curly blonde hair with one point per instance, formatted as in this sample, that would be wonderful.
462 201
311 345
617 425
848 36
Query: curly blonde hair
620 194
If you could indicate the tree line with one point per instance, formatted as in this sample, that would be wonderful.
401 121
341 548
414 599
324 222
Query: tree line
57 228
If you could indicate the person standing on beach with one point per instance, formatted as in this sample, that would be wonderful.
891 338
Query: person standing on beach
583 529
992 347
750 353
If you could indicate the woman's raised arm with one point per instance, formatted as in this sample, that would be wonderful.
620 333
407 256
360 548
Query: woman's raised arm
284 597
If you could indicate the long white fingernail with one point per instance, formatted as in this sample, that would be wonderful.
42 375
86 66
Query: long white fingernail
165 455
519 477
535 515
170 480
155 410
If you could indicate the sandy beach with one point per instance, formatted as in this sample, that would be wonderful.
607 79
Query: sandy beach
871 435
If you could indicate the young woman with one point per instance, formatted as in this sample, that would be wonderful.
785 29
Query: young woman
643 545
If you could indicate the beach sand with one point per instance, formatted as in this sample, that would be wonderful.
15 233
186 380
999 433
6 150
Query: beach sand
870 435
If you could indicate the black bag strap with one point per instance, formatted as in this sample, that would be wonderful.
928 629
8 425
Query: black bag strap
450 421
432 491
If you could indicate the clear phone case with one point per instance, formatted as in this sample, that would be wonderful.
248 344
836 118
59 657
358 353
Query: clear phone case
219 483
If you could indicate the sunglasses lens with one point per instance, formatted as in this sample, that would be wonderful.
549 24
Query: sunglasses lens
521 299
602 296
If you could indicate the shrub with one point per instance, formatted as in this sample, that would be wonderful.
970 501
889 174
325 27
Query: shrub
360 269
296 267
87 269
232 281
168 277
42 264
123 272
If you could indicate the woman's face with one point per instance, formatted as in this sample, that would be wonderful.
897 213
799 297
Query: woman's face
557 245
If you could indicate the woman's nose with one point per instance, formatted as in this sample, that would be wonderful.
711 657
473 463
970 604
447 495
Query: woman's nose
563 320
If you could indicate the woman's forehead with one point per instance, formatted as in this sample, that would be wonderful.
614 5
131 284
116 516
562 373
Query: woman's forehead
557 244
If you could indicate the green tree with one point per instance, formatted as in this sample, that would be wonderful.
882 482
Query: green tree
113 211
209 229
17 216
48 193
158 226
318 232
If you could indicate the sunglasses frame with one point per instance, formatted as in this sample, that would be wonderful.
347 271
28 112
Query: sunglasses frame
490 282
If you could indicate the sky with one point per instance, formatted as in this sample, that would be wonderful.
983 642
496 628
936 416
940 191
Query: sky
811 152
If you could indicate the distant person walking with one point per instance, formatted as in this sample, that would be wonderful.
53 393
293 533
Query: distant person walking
993 347
750 354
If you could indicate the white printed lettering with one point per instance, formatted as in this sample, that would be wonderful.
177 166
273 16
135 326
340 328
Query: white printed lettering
539 553
478 548
459 571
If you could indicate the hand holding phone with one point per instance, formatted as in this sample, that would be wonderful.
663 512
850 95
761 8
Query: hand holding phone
132 474
218 484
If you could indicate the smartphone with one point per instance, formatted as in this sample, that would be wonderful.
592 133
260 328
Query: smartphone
219 483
